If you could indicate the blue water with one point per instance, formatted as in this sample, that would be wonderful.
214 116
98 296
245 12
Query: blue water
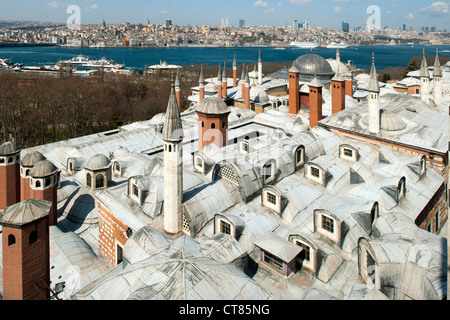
385 56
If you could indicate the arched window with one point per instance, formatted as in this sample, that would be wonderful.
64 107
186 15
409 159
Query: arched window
11 240
213 126
170 148
89 180
47 182
10 160
38 184
299 156
99 181
33 237
203 124
223 125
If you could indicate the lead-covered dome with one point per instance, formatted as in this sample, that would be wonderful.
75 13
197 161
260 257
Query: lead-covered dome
312 64
98 162
8 148
212 105
42 169
31 158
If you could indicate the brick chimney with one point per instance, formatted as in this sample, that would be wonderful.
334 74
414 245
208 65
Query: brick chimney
294 90
337 93
9 174
315 102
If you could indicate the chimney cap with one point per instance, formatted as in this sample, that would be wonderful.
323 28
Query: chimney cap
25 212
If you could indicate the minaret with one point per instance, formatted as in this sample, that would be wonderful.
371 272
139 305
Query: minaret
224 82
437 79
234 71
201 83
315 102
260 68
374 100
178 90
338 55
173 166
9 175
247 91
424 80
337 93
294 90
26 250
219 84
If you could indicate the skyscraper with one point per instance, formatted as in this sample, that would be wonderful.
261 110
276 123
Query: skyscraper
241 23
345 26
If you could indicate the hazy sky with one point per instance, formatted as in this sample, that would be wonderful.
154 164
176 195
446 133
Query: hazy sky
326 13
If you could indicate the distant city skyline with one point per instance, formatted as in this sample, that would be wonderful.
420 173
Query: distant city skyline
319 13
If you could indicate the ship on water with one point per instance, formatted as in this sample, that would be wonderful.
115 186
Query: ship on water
304 45
334 45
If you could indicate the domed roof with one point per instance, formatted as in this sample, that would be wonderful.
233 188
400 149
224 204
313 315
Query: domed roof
8 148
25 212
30 159
313 64
212 105
389 121
338 65
98 162
211 87
42 169
258 94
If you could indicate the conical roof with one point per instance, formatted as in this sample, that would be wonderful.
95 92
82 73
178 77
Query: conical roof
173 128
424 67
212 105
315 83
25 212
374 86
437 72
293 69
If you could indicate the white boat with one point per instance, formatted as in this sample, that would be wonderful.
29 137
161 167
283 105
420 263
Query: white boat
78 60
105 63
304 45
334 45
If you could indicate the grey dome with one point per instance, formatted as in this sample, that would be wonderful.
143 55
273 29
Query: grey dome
311 64
42 169
98 162
25 212
212 105
8 148
389 121
30 159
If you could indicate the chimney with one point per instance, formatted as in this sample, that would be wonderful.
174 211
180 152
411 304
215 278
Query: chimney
219 84
201 83
224 82
349 84
315 102
294 90
337 93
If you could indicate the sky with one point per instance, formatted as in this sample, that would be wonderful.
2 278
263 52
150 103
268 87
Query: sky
324 13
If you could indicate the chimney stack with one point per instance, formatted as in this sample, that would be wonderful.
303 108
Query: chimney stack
315 102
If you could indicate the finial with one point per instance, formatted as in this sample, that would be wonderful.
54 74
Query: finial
172 81
373 57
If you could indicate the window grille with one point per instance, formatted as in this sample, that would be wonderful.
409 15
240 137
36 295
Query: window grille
273 261
225 227
327 224
227 173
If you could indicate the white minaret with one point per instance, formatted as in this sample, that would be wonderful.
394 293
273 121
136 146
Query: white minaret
424 80
374 100
437 79
173 166
259 68
338 55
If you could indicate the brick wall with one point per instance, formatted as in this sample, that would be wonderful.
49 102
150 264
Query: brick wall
112 232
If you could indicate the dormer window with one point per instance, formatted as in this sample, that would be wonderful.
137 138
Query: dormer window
269 172
199 164
223 225
244 147
117 168
271 200
306 258
401 189
348 153
328 225
135 190
300 156
315 173
423 166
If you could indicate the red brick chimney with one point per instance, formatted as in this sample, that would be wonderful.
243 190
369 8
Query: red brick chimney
337 93
9 174
294 90
315 102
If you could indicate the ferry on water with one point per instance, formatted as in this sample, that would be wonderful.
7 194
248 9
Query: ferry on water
304 45
334 45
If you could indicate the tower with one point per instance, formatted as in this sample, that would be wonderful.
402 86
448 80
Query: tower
424 80
178 90
437 79
374 100
294 90
26 250
9 174
213 122
26 165
243 83
315 102
259 68
44 181
219 84
224 82
234 71
338 55
173 166
201 83
337 93
247 91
